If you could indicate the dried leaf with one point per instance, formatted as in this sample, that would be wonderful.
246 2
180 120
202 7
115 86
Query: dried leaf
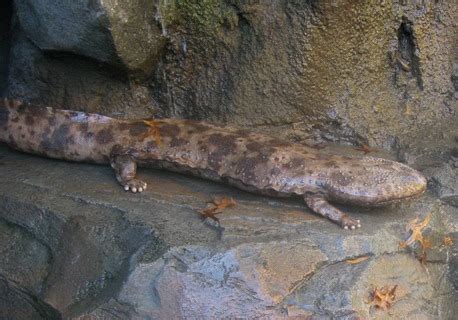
383 298
416 232
447 241
416 235
357 260
364 148
153 131
217 206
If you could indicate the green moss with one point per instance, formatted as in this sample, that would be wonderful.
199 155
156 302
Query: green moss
202 18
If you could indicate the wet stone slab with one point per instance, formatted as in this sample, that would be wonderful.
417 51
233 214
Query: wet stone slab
101 252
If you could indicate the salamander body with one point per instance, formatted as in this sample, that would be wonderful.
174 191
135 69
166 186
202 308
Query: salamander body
250 161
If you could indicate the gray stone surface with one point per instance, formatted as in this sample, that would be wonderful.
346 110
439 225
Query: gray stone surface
17 303
136 256
114 32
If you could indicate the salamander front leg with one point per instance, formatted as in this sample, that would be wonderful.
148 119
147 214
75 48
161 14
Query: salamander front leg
319 204
125 168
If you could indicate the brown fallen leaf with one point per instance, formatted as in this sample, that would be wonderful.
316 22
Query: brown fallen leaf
217 206
416 232
153 130
364 148
447 241
416 235
383 298
357 260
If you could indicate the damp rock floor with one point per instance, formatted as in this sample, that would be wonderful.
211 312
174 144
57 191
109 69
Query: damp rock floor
75 245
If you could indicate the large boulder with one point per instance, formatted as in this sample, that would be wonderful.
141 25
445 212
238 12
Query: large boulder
123 33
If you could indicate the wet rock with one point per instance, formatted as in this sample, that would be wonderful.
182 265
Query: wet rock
24 259
249 280
17 303
445 183
117 254
125 35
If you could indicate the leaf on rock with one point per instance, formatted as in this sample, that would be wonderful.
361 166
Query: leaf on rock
364 148
447 241
217 206
416 232
383 298
357 260
416 228
153 130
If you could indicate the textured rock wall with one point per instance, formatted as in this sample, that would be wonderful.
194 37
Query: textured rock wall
318 70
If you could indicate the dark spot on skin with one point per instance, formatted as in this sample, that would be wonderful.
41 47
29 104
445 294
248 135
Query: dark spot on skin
22 136
116 150
176 142
21 109
138 128
29 120
52 121
275 171
4 113
12 142
246 169
104 136
83 128
32 133
58 141
297 162
32 111
124 126
341 179
331 164
15 120
254 146
243 132
224 145
151 146
169 130
20 127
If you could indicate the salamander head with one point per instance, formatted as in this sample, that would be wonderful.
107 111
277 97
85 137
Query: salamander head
373 181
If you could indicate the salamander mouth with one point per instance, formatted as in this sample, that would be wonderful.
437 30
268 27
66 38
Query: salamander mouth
382 203
372 201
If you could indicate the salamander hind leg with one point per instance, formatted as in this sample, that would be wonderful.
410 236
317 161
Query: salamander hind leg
125 169
319 204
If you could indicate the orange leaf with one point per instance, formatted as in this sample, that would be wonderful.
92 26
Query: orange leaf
217 206
154 130
447 241
364 148
416 231
357 260
383 298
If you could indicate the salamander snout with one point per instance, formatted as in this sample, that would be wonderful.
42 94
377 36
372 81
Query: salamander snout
376 182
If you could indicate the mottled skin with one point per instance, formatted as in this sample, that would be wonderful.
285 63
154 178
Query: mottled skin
250 161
